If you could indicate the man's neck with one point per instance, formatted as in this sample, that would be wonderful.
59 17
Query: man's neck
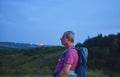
69 45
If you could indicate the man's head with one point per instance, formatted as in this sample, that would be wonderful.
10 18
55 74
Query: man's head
68 38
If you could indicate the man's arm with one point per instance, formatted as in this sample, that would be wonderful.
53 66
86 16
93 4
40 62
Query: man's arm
65 70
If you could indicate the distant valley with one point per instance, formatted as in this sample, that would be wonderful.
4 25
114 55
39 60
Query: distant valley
4 45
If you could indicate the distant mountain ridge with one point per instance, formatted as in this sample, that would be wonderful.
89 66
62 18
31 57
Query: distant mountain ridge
4 45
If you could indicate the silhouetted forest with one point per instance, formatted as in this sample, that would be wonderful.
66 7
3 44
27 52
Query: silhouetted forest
104 54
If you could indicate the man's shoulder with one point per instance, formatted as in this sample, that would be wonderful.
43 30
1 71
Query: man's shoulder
71 50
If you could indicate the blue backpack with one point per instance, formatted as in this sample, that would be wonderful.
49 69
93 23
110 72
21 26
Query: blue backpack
82 63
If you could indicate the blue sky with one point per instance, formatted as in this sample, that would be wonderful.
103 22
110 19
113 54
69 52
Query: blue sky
44 21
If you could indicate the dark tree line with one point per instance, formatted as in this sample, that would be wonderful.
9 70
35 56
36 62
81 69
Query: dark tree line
104 53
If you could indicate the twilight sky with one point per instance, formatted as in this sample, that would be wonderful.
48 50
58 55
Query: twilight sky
44 21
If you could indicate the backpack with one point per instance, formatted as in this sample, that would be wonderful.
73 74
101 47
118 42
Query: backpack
82 62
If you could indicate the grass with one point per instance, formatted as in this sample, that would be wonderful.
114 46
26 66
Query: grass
95 73
90 73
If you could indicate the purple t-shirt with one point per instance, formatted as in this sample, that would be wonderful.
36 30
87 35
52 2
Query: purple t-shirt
71 57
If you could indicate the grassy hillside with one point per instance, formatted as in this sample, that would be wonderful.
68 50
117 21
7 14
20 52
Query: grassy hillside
37 62
29 61
34 62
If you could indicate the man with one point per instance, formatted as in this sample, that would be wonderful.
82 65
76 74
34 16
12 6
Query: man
68 61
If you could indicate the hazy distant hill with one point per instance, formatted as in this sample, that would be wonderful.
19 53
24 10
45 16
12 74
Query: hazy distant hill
16 45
